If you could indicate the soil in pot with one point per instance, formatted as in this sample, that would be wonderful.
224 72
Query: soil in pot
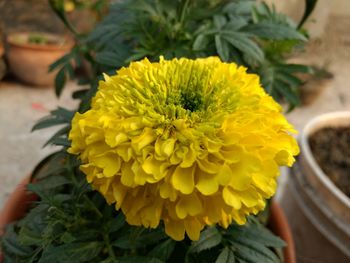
331 149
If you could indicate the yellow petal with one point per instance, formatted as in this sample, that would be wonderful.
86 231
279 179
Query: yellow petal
189 205
207 183
148 136
109 163
231 198
193 228
175 229
183 179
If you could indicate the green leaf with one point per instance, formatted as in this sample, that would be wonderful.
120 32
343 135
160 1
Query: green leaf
60 81
309 7
71 253
247 46
62 60
200 42
59 141
258 233
219 21
209 238
132 239
11 245
239 7
288 93
109 58
29 237
295 68
273 31
259 248
61 132
37 190
251 254
164 250
226 256
222 48
47 122
139 259
117 223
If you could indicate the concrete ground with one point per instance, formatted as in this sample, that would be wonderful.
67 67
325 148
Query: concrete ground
22 106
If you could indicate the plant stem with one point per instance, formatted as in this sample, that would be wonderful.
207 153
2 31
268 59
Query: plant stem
109 247
183 11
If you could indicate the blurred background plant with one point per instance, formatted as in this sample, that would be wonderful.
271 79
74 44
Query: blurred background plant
246 32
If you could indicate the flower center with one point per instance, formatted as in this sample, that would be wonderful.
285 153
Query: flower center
191 100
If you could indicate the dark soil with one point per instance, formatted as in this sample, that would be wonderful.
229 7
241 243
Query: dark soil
331 149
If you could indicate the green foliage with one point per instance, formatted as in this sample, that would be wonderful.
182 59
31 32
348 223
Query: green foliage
242 31
72 223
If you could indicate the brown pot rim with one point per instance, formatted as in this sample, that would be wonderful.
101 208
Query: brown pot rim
2 50
67 44
279 225
19 201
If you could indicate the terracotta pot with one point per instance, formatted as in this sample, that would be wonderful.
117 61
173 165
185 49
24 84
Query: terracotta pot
2 62
2 50
319 212
279 225
19 201
30 62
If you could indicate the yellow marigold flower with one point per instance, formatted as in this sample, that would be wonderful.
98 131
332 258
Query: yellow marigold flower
188 142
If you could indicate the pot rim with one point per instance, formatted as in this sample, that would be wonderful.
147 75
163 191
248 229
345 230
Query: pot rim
317 123
67 43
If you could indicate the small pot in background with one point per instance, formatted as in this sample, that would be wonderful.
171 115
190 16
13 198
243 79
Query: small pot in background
30 54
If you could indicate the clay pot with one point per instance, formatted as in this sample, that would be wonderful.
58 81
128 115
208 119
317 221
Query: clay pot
30 62
319 212
2 62
19 202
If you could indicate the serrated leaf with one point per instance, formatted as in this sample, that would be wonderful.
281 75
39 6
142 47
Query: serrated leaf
29 237
62 60
138 259
209 238
294 68
226 256
289 79
47 122
63 114
219 21
247 46
288 93
37 190
258 247
273 31
71 253
117 223
258 233
60 81
164 250
147 237
10 243
239 7
61 132
251 255
109 58
59 141
222 48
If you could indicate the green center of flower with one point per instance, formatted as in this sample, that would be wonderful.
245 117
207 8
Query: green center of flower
191 100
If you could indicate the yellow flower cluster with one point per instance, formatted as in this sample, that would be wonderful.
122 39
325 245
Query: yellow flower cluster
188 142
